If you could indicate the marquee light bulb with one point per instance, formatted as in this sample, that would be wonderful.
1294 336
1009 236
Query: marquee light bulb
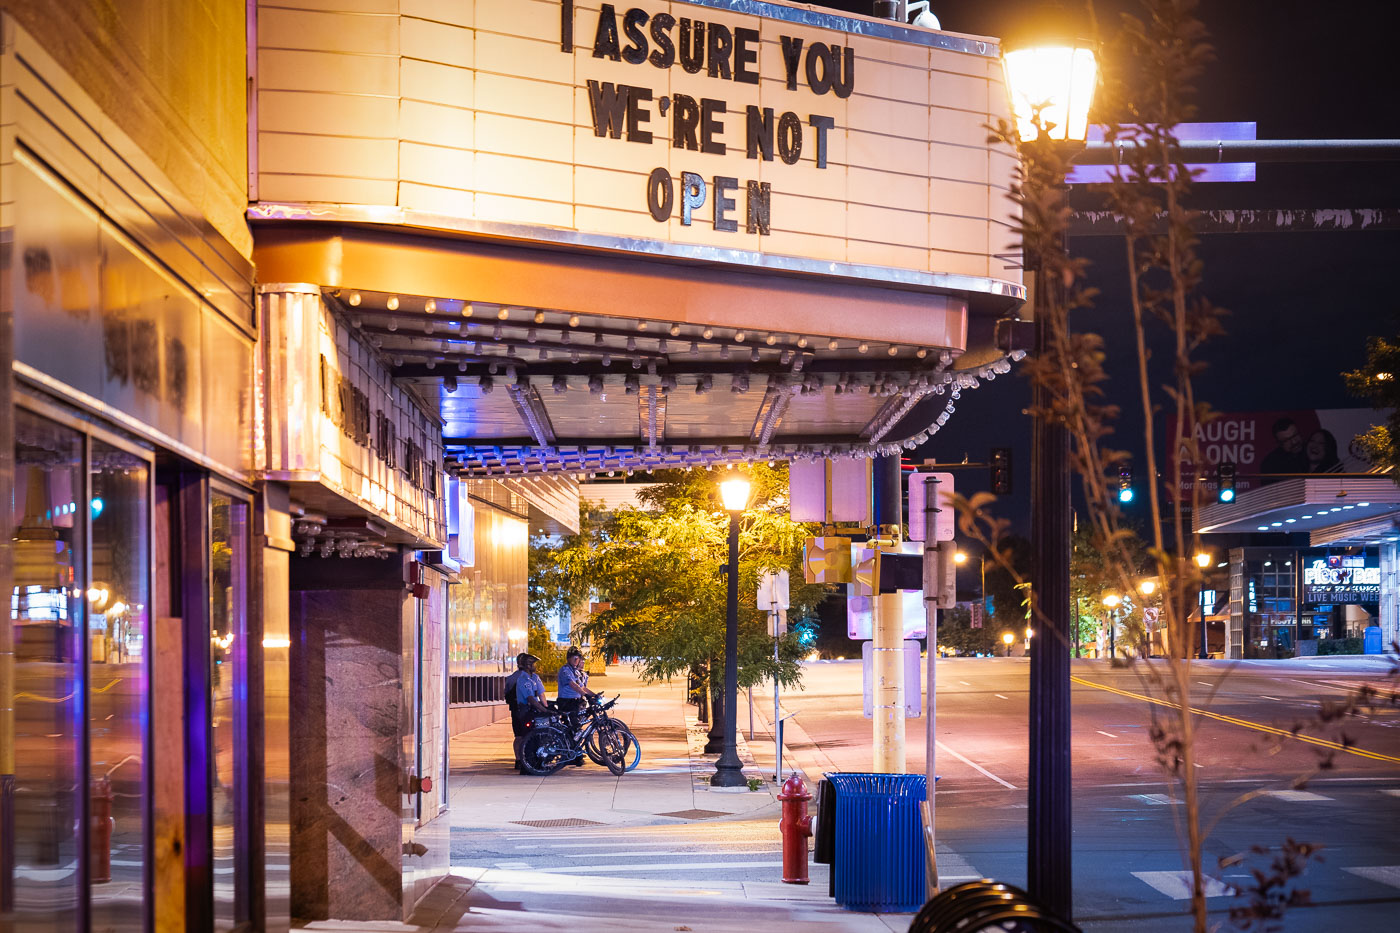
430 306
393 303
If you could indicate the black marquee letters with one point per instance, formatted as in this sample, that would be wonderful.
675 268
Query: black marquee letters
724 53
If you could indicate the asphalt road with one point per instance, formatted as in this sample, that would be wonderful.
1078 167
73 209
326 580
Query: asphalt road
1127 854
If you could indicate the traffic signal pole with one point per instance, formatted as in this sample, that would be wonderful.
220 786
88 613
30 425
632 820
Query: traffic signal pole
887 655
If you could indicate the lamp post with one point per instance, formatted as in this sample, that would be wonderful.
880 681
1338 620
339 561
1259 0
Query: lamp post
729 771
1203 561
1147 587
1111 602
1006 639
1051 85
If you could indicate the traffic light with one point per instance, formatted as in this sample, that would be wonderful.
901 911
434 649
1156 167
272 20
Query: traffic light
1001 471
1125 483
1225 482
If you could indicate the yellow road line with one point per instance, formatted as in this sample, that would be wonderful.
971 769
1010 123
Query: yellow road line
1258 727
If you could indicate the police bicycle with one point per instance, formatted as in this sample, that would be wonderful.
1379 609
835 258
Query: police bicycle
554 741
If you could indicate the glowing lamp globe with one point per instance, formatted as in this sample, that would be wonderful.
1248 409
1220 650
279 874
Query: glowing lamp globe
734 493
1056 80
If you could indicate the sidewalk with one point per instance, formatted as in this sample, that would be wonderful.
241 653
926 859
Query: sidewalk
671 785
670 788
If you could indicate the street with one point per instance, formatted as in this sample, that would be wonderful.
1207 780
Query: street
658 844
1127 854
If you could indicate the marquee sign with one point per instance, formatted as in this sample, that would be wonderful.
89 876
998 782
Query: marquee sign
760 127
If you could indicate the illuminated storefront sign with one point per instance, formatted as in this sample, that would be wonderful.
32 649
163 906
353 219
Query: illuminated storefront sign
1351 579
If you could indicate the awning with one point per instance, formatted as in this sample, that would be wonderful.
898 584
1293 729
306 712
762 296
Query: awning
556 360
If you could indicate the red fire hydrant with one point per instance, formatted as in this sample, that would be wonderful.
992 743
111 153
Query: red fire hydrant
796 828
100 846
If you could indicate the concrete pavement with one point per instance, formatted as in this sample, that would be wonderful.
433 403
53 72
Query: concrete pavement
655 849
673 776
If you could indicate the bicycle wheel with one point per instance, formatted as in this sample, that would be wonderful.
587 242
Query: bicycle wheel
545 751
632 754
613 745
592 747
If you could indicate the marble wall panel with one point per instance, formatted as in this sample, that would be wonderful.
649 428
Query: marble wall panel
345 809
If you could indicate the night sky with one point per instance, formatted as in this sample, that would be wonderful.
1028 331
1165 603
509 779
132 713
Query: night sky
1301 305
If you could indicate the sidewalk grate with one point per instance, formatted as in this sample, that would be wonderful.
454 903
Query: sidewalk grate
695 814
557 824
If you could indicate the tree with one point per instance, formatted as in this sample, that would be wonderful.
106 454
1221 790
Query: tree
660 569
955 631
1379 383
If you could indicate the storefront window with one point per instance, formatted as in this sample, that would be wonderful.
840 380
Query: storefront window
487 609
41 780
228 650
118 600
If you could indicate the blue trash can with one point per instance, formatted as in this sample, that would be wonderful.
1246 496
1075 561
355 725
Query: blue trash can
879 864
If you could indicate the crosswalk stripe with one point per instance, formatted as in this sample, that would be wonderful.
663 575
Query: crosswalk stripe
1384 874
1296 796
1177 884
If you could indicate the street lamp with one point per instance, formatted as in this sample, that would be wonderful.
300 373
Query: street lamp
1203 562
1111 602
1006 639
729 771
1051 86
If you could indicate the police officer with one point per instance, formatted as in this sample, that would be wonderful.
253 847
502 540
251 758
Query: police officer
573 683
529 701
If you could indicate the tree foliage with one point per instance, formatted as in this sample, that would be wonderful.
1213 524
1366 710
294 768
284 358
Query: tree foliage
955 631
660 569
1378 382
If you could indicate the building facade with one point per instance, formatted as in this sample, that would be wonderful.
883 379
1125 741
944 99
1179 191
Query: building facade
311 316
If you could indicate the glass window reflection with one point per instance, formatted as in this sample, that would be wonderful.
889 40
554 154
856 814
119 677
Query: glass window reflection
40 749
227 648
118 601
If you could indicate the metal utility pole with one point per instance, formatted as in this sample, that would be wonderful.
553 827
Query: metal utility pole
931 548
888 626
1049 851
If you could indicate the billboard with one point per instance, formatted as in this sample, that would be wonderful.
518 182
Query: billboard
1268 446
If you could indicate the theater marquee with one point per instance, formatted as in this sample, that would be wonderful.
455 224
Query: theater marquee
763 128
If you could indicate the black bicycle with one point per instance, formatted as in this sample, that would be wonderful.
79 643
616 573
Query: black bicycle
558 740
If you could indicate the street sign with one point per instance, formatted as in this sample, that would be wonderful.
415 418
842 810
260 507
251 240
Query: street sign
1150 615
941 576
913 682
842 483
773 590
777 623
943 520
860 616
